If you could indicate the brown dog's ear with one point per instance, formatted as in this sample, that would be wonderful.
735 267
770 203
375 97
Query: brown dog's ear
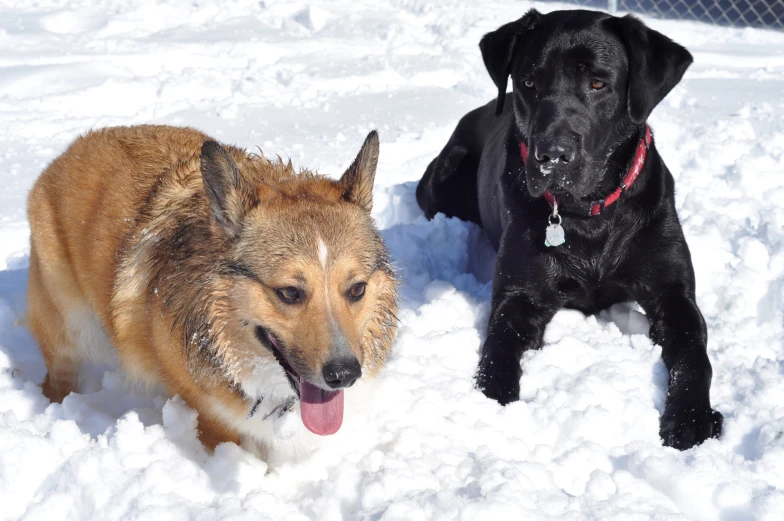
498 50
230 197
357 182
656 65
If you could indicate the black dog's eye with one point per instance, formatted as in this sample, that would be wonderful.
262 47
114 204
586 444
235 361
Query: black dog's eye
357 291
597 84
529 82
289 294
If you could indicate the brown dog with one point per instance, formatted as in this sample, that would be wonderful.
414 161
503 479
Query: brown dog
246 288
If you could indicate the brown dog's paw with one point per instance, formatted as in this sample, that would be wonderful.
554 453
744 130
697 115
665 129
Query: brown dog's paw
685 427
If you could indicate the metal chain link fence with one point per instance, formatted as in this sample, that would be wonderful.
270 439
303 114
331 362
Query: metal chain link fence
742 13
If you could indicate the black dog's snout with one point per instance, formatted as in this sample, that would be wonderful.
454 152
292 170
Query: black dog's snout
556 150
342 372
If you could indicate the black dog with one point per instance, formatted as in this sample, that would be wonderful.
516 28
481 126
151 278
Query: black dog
568 155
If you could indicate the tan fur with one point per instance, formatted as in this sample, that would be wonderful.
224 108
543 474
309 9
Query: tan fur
128 247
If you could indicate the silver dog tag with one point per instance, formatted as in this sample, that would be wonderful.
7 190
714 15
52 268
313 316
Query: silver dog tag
554 235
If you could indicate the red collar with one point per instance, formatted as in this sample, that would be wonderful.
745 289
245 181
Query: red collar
596 207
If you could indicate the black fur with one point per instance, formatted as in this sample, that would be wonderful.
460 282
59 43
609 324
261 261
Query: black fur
581 141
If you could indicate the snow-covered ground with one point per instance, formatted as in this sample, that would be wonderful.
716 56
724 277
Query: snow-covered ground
308 80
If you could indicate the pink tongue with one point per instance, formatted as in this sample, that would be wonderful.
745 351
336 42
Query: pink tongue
322 411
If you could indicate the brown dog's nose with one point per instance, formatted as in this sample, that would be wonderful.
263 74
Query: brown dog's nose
555 150
342 372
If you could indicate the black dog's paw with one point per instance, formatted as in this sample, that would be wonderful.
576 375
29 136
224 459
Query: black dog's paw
685 426
499 381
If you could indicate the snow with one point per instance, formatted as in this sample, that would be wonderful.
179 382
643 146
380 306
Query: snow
308 80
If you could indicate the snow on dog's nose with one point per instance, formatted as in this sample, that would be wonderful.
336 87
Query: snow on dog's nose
342 372
555 150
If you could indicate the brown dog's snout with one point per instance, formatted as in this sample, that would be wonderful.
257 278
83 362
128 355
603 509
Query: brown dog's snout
341 372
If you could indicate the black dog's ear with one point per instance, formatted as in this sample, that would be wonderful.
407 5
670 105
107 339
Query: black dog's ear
656 65
498 49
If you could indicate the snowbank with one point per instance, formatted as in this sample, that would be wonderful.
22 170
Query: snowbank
308 80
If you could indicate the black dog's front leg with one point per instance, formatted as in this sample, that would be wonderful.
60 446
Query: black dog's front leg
516 325
523 304
678 327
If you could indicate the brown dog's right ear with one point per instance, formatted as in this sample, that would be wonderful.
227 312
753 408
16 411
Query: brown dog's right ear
230 197
498 49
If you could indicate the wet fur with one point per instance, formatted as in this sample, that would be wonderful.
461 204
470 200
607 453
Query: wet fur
128 249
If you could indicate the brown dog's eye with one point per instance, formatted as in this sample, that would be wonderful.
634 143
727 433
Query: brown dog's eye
529 83
357 291
289 294
597 85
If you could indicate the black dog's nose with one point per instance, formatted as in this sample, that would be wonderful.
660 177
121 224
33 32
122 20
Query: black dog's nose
342 372
555 150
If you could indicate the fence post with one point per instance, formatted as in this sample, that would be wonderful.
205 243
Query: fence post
612 6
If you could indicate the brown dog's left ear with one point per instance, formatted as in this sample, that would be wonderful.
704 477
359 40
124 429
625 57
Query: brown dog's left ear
498 50
357 182
656 65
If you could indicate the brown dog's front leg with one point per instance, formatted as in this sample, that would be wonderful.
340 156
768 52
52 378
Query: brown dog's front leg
678 327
